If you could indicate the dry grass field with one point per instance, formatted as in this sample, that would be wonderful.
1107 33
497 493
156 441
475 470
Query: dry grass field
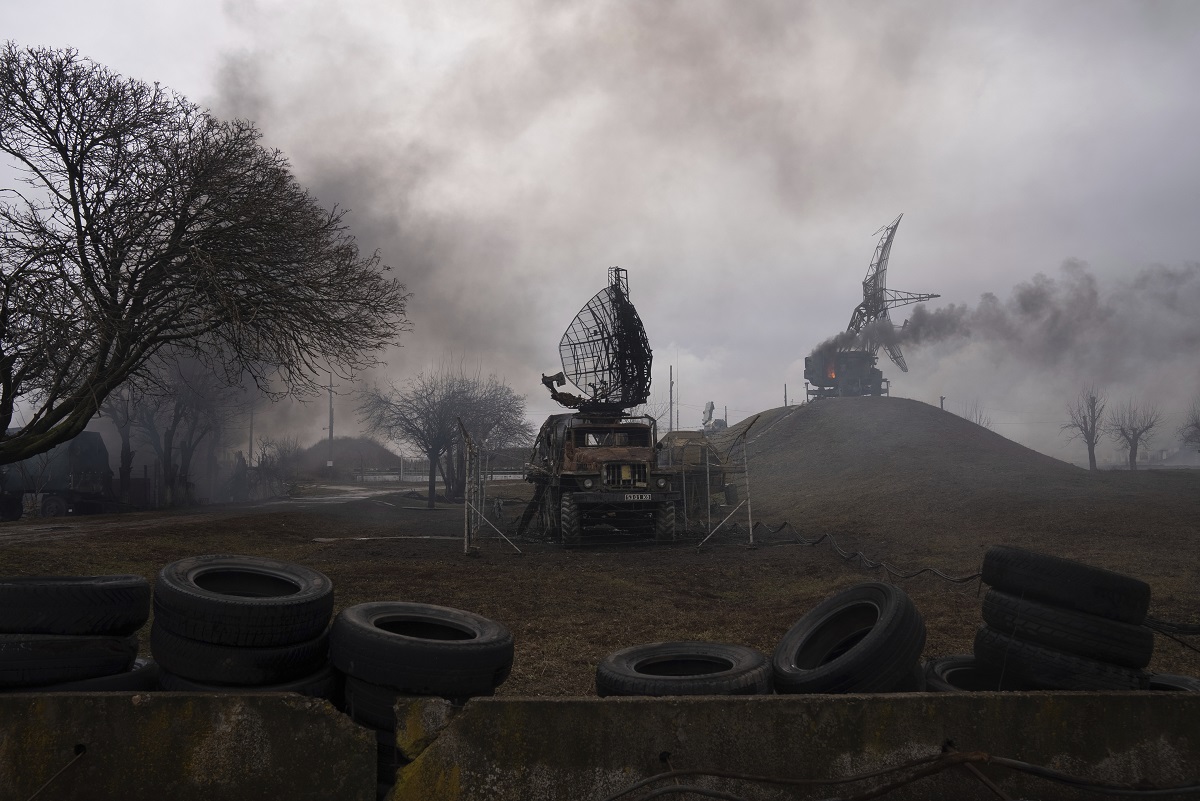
898 480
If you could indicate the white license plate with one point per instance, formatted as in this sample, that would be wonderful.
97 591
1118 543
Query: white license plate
637 496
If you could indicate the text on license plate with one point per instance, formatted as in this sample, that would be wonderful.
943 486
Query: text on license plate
637 496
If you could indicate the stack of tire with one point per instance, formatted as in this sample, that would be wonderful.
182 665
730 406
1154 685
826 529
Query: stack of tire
866 639
73 634
226 623
1057 624
390 649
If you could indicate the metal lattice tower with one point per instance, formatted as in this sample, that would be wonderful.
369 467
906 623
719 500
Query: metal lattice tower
878 299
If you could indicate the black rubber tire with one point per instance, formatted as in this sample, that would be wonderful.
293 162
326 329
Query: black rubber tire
865 639
965 673
242 600
568 521
37 660
1049 669
421 649
96 605
664 522
142 676
684 668
1066 583
1077 633
324 683
1169 682
236 665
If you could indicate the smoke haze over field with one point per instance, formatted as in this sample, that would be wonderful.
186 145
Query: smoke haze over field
735 158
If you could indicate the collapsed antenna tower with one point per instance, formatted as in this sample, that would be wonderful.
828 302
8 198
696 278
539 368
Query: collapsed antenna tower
878 299
605 353
845 365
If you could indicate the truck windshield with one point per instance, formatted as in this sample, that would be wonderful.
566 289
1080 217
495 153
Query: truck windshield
612 439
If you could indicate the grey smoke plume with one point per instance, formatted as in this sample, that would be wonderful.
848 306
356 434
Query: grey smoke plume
1067 323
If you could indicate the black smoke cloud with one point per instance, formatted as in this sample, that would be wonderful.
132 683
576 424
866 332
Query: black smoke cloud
1069 323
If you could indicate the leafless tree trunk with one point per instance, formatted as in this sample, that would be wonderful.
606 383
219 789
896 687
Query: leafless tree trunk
1132 426
1086 420
1189 432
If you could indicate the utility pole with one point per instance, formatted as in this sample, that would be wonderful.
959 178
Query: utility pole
785 395
671 399
942 402
329 464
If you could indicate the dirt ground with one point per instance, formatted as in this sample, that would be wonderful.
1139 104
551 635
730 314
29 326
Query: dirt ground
899 481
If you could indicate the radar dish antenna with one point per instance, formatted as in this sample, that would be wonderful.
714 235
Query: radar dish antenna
605 353
868 316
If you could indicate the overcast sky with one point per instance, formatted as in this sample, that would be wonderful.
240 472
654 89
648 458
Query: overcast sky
737 159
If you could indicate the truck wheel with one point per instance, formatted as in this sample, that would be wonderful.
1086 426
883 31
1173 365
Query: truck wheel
664 522
568 521
53 506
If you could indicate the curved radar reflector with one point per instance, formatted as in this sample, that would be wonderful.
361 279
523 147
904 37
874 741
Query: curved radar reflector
604 350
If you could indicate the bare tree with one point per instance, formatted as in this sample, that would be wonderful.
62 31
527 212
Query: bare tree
977 415
277 464
1189 432
145 223
1132 426
182 407
1086 420
425 415
121 408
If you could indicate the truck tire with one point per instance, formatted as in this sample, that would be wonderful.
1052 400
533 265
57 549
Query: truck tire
861 640
1066 583
141 677
240 665
99 605
664 522
53 506
324 683
965 673
1050 669
684 668
242 600
35 660
1067 630
568 521
421 649
371 705
1172 683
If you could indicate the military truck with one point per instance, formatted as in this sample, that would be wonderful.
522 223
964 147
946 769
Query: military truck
596 469
840 373
601 473
71 478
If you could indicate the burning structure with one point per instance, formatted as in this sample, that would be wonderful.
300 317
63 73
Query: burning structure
597 467
845 364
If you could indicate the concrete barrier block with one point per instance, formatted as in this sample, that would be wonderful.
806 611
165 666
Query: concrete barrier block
546 749
183 747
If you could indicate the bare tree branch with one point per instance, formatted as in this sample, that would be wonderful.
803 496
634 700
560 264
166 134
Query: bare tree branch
147 224
1132 426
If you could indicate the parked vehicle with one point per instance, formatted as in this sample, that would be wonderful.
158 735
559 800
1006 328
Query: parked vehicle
71 478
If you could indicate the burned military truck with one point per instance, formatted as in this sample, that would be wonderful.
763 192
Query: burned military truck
596 470
71 478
